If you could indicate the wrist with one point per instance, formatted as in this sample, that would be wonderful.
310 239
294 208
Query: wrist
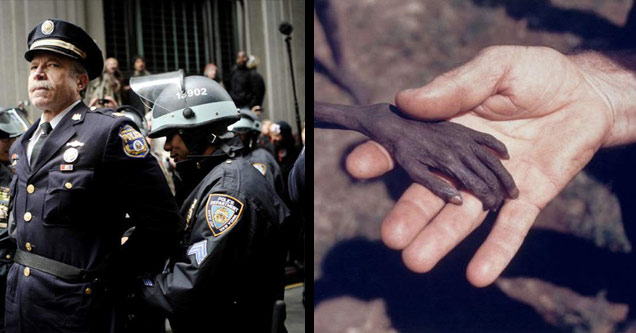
612 76
379 123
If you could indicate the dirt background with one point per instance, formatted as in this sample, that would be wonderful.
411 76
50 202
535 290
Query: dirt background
576 270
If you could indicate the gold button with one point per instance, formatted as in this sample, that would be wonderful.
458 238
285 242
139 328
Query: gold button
68 185
28 216
8 256
28 246
88 291
27 271
30 188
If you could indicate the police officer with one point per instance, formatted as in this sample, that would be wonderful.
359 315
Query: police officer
248 128
78 173
298 198
229 271
11 126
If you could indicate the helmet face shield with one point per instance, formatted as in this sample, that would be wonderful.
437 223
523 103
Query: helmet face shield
149 87
180 102
13 123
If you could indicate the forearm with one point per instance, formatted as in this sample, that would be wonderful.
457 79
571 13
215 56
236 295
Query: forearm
337 116
613 76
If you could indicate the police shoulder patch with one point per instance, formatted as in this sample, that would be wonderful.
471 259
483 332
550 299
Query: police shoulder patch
222 212
260 167
134 143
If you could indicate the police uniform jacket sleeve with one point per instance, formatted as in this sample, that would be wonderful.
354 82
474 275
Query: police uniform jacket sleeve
233 253
208 262
146 197
297 179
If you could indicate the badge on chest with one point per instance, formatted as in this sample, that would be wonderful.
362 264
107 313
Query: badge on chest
71 154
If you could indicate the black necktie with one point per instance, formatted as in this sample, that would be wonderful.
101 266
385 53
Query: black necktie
45 129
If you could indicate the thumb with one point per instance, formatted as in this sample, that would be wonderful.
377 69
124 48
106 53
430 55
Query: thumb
369 160
459 90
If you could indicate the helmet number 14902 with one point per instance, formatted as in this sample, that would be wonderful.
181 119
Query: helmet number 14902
192 92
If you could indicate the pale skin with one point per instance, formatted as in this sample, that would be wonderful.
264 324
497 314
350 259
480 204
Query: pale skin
111 65
52 86
210 71
553 112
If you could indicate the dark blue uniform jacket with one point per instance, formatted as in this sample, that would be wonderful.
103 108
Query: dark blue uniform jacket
70 207
230 269
265 162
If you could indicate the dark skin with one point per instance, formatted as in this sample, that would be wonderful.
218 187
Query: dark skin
448 148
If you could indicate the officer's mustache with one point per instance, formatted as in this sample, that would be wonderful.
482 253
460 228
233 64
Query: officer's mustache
40 85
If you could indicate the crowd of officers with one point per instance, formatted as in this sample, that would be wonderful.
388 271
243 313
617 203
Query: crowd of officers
114 217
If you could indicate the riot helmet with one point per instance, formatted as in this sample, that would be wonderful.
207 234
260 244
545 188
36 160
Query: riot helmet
248 128
12 123
135 115
193 106
248 122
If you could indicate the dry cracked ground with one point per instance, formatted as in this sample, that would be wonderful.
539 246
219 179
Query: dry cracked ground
575 272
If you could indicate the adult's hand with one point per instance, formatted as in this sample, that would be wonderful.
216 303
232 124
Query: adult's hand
553 112
107 102
423 148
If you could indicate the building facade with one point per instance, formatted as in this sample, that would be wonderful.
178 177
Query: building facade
171 35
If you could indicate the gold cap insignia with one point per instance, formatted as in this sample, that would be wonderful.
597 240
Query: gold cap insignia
47 27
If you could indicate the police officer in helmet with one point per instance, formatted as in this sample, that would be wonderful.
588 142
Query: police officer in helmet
248 128
11 127
230 265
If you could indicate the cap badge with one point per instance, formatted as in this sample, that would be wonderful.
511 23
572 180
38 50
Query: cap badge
47 27
70 155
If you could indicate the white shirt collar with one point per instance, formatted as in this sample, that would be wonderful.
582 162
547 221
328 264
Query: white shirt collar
56 120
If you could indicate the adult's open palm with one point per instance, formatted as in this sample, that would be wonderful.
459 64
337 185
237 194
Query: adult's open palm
551 113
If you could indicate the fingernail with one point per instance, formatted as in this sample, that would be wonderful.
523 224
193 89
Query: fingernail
456 199
514 193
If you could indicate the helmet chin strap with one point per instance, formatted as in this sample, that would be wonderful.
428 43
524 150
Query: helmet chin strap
226 149
196 146
219 141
